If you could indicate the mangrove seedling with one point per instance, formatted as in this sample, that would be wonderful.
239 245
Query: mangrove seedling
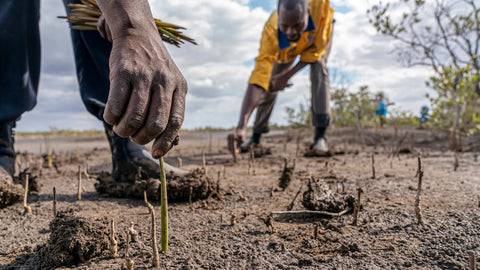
26 208
418 208
156 259
113 241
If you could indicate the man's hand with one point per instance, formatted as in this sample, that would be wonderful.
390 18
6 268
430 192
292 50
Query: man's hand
147 91
279 82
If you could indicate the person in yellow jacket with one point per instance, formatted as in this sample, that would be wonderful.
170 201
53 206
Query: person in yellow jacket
297 28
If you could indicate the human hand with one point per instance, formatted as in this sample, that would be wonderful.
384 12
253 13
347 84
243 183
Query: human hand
279 82
147 91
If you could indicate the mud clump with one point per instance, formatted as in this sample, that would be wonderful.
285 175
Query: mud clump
74 240
33 184
178 187
287 175
319 197
10 194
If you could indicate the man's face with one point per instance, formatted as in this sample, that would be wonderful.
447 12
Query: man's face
292 23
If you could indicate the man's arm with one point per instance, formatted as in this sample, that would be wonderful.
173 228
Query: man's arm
147 91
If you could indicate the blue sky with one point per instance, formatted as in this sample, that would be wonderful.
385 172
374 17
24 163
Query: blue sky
217 70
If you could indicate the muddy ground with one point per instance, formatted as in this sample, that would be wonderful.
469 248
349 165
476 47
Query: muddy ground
387 235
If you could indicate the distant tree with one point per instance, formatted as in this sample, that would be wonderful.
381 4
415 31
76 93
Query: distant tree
443 35
353 108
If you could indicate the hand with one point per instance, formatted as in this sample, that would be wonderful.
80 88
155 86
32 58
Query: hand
279 82
147 91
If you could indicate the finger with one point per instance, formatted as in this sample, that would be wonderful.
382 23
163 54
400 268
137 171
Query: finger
137 109
164 142
108 32
101 26
117 98
158 114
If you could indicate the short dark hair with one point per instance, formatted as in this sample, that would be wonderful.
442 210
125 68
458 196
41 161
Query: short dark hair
293 4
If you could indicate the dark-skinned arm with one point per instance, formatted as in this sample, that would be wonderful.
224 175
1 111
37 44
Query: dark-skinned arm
146 101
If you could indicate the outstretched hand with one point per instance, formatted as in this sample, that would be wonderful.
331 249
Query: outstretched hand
147 91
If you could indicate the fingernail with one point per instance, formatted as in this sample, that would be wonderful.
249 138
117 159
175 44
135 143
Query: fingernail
157 153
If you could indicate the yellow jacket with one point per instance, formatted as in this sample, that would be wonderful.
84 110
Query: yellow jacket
275 47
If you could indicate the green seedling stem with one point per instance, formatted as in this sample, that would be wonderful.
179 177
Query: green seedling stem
163 207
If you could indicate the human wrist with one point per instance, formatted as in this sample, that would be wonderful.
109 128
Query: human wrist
126 17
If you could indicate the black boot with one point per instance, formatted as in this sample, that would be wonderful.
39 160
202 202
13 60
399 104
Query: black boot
7 153
128 156
9 192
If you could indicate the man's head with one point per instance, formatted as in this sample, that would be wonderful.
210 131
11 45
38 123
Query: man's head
293 18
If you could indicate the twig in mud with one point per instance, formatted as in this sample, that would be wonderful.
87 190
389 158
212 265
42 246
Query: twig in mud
204 163
128 262
54 202
242 198
156 258
132 232
233 220
26 208
418 208
272 193
113 241
297 151
290 207
356 210
49 151
373 167
179 160
473 260
218 182
399 144
224 171
270 224
190 196
312 212
86 173
315 232
252 159
164 207
455 162
79 190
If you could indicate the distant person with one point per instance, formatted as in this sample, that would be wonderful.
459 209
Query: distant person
298 28
146 101
382 105
424 118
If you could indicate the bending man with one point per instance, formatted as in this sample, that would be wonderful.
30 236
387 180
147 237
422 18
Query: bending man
298 28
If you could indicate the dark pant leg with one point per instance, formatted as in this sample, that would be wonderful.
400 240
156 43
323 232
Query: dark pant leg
265 107
19 57
320 88
92 54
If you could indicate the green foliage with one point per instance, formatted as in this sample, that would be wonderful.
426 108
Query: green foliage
443 35
456 90
352 108
301 118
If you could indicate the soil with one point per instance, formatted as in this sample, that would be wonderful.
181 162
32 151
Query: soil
387 236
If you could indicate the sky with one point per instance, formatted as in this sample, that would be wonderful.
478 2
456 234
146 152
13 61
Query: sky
217 70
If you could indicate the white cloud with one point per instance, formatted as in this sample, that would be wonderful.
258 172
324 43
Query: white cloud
228 33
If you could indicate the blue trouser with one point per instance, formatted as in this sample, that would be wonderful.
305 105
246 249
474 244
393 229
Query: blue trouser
20 61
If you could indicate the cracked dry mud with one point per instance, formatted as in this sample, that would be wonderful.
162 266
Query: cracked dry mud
201 237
